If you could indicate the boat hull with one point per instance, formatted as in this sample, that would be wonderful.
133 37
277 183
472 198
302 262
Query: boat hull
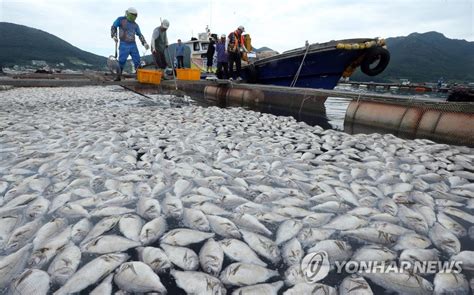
322 67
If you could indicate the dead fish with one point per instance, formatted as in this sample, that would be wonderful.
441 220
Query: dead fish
400 281
444 240
12 264
292 252
49 249
211 257
239 251
130 226
155 258
182 257
337 250
195 219
172 206
108 244
102 226
309 236
412 240
262 245
184 237
250 222
7 225
354 285
23 234
148 208
287 230
92 272
65 264
223 227
263 289
137 277
194 282
153 230
47 231
105 287
451 283
242 274
31 281
311 288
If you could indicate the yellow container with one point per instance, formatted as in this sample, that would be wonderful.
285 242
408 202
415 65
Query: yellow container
149 76
188 74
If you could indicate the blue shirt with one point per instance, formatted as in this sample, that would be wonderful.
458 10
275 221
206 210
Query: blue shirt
221 54
127 29
180 50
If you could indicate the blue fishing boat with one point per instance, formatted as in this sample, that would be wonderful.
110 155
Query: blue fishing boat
319 65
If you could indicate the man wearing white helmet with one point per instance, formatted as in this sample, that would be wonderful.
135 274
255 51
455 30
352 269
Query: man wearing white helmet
128 28
159 43
234 47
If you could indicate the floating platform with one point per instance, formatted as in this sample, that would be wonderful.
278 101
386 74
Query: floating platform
437 120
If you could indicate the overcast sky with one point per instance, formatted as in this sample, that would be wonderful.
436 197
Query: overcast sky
278 24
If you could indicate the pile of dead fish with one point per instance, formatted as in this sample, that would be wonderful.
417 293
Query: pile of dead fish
100 194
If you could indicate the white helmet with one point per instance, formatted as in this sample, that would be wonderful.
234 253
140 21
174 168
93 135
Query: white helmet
132 10
223 36
165 24
241 28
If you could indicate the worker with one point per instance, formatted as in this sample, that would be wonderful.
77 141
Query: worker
222 59
128 28
235 46
159 43
180 54
211 49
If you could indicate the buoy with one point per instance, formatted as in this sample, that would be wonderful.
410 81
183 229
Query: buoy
340 46
355 46
347 46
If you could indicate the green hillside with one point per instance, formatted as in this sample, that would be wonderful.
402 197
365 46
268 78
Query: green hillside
21 45
425 58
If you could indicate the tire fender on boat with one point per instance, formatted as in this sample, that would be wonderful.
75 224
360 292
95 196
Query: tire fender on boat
376 53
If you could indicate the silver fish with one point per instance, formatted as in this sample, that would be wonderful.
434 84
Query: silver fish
130 226
153 230
263 289
184 237
92 272
155 258
262 245
182 257
108 244
239 251
211 257
444 240
451 283
354 285
148 208
31 281
292 252
223 227
12 264
65 264
242 274
137 277
287 230
105 287
195 219
194 282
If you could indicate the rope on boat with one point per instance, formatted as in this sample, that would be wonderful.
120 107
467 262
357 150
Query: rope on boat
293 83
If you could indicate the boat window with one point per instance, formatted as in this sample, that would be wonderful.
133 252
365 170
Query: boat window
196 46
204 46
